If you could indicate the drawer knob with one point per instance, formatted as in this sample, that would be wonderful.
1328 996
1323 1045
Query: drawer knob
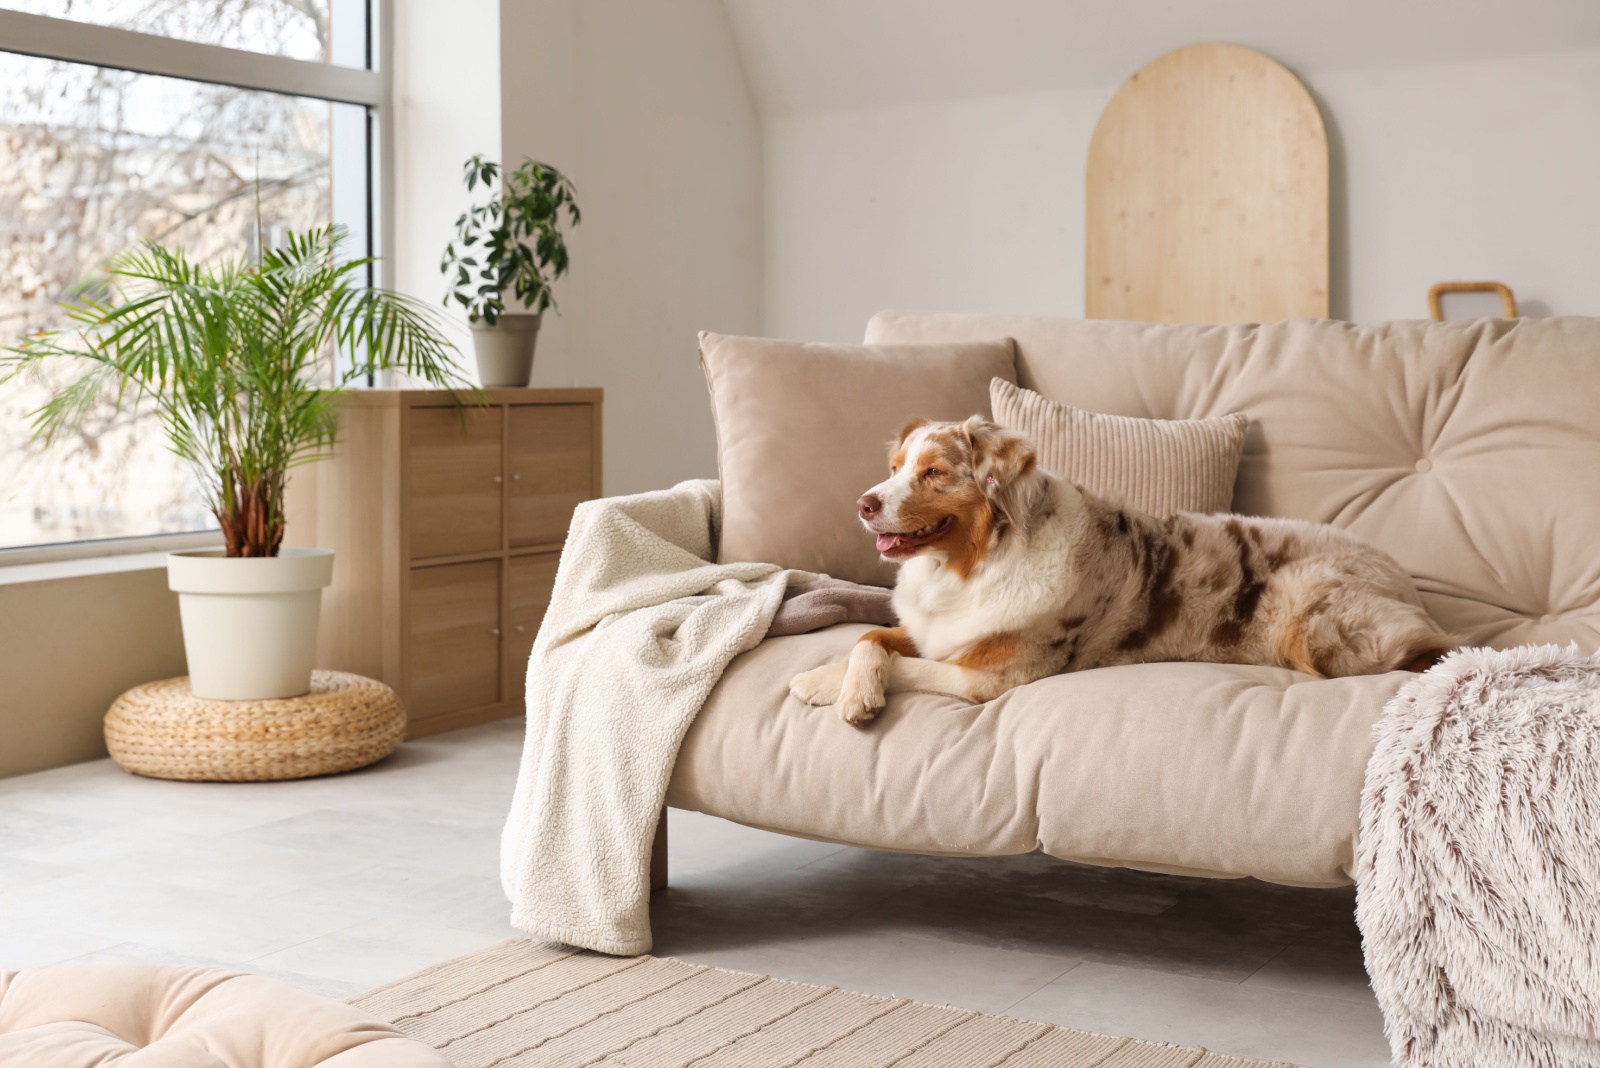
516 478
495 631
520 628
494 478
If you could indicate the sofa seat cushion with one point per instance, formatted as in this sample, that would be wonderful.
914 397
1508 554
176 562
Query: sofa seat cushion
1198 769
105 1014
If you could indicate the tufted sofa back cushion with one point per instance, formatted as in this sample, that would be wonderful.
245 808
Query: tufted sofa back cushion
1470 451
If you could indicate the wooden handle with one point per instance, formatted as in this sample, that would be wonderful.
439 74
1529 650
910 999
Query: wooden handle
1508 300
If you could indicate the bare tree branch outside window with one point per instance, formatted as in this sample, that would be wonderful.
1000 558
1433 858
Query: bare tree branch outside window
93 161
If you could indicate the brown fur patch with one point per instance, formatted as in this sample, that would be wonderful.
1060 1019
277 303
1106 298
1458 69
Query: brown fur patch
1296 643
1246 596
992 652
1159 592
892 639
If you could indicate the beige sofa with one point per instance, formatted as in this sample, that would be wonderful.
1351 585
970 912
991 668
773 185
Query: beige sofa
1470 451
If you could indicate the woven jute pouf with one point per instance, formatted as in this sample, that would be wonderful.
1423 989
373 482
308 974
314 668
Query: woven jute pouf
163 730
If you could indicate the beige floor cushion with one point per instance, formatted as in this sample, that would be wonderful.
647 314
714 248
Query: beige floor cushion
122 1015
1187 768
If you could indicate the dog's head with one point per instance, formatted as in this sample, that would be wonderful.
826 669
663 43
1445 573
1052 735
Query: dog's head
952 488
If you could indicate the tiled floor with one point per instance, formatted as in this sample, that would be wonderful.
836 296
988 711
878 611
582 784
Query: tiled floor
339 884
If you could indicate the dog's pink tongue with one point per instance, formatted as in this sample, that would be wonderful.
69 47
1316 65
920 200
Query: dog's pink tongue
887 542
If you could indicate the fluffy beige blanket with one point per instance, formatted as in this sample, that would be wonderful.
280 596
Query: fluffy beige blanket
640 626
1478 869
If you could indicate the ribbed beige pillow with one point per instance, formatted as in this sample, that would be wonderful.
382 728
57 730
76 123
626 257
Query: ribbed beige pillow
804 429
1157 466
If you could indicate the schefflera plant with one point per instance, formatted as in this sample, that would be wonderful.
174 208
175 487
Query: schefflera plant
512 244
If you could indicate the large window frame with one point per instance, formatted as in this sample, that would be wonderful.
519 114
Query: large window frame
143 53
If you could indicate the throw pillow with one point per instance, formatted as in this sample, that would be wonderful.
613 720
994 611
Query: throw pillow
1158 466
804 429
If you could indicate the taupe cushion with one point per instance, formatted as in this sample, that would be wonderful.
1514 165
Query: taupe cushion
1469 451
1158 466
1189 768
803 430
108 1014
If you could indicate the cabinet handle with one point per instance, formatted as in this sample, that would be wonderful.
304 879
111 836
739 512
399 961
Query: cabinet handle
516 478
495 631
520 628
494 478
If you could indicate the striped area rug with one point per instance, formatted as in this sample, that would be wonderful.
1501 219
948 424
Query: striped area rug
531 1003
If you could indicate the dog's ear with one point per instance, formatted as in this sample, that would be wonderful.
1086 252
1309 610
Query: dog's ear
1006 467
912 425
915 423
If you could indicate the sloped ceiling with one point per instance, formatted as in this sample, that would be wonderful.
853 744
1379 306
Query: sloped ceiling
819 56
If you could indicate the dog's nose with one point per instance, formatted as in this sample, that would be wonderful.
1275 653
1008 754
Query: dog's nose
869 505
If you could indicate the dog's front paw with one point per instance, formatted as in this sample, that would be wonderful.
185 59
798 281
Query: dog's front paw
819 686
861 698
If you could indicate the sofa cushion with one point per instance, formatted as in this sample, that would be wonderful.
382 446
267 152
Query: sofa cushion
1158 466
1470 451
803 430
1187 768
148 1014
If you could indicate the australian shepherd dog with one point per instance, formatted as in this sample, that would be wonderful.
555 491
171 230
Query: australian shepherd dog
1009 574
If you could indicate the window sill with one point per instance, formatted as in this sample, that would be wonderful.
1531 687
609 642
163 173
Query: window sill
81 567
68 560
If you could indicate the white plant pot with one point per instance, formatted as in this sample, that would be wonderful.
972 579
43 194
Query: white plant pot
505 350
249 623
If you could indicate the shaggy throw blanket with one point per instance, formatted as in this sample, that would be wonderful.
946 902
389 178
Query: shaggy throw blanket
1478 869
640 626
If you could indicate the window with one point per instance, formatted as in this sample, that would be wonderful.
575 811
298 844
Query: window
200 123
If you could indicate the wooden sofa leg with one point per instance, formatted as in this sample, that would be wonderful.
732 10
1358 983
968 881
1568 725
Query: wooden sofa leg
658 855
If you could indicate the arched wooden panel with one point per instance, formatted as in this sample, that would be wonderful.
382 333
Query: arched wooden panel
1208 194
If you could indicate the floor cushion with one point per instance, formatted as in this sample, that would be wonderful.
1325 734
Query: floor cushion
1201 769
111 1015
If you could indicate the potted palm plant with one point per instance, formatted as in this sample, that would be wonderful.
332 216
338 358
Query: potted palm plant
511 246
238 360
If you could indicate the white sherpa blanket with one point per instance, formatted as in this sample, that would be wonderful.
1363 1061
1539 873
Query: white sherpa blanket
1478 870
640 627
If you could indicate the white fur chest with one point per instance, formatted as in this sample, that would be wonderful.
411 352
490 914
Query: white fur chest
1013 591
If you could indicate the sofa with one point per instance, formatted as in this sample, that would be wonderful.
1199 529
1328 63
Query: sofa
1470 451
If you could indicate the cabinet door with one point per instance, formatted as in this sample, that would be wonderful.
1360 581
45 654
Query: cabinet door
454 492
551 467
453 641
528 586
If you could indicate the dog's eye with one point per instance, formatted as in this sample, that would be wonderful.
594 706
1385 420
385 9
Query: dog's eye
932 472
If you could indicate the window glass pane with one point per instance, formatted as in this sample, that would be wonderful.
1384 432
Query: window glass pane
321 30
93 161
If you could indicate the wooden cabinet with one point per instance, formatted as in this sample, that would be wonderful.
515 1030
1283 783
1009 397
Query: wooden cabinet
550 470
447 522
453 638
454 501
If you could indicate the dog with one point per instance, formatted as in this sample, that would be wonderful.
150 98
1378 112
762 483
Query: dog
1009 573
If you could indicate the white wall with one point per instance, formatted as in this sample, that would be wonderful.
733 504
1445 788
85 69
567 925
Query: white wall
646 107
1487 170
1455 171
446 109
